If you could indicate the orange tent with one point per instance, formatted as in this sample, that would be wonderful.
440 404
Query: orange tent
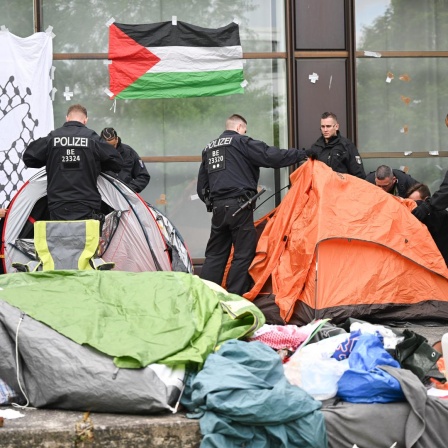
339 247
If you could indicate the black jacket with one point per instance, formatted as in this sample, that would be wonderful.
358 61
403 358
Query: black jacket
73 156
134 173
340 154
437 224
231 164
439 200
404 181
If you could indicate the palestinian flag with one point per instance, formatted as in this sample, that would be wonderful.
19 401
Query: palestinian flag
162 60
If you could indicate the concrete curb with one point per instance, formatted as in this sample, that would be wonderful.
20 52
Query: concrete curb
67 429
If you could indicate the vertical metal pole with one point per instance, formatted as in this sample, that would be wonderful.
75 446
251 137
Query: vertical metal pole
291 71
37 13
290 86
350 39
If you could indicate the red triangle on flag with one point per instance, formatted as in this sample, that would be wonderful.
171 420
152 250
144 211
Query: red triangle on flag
129 59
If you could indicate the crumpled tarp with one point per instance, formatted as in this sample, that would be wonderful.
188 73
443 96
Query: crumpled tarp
244 399
58 373
141 318
420 422
368 247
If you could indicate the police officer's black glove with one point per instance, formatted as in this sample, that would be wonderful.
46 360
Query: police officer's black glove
311 154
422 210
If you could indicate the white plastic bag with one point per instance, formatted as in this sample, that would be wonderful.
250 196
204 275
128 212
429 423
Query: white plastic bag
313 369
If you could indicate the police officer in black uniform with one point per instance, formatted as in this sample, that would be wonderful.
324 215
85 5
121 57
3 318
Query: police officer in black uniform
395 182
338 152
438 201
228 177
436 221
134 173
73 156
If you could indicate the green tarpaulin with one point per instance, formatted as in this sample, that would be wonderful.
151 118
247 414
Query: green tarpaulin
138 318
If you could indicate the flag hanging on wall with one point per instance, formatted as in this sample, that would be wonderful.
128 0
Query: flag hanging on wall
166 60
26 108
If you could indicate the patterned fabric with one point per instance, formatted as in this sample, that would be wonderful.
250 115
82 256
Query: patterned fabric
7 395
26 109
281 336
345 348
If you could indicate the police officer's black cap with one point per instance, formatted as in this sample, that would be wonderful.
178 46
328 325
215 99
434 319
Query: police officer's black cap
109 133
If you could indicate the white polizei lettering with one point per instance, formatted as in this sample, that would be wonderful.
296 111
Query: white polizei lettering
212 144
71 141
219 142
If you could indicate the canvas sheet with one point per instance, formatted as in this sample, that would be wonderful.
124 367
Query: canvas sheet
112 341
26 108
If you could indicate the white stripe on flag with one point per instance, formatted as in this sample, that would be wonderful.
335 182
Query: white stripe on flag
197 59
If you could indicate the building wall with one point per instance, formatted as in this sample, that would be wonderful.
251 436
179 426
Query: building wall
380 67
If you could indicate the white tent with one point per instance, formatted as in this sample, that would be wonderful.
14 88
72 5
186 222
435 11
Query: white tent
140 240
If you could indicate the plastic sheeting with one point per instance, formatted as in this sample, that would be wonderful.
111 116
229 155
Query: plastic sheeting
111 341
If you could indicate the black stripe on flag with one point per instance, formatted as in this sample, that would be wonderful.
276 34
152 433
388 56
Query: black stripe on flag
165 34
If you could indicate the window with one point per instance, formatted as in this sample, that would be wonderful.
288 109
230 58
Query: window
17 16
178 128
402 91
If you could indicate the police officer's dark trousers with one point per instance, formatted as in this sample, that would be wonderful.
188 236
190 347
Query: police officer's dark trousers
226 230
72 211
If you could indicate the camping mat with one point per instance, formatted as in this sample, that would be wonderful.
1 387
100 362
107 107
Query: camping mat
138 318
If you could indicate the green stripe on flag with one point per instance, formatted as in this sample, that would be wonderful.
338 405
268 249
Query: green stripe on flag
185 84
